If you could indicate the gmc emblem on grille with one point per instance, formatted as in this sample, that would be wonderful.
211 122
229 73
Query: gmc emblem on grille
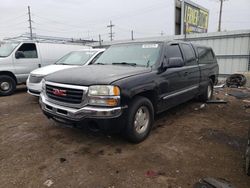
59 92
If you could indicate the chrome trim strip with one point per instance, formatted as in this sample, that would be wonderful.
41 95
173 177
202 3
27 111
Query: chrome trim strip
180 92
84 88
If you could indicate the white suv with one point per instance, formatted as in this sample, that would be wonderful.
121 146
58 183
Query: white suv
73 59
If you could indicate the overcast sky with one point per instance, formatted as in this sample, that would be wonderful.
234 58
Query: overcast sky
88 18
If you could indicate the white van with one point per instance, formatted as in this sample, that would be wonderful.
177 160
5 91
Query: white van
73 59
18 59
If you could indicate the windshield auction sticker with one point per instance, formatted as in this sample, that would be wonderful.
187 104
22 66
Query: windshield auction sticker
150 46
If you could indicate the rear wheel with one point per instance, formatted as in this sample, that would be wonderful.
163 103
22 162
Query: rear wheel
140 119
7 85
208 93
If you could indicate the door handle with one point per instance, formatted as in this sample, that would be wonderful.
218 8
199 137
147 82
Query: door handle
186 73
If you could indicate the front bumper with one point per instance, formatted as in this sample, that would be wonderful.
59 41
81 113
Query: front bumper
76 115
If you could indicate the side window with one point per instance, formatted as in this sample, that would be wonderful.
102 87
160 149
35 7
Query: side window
27 50
95 58
189 54
174 51
206 55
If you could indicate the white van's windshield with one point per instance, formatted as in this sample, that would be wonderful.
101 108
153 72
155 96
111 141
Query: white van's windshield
76 58
7 48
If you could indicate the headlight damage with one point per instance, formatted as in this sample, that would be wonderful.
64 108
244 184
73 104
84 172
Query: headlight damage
104 95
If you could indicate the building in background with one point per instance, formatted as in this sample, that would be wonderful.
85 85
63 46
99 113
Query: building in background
190 18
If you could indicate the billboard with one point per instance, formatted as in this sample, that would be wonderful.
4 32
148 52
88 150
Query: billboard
194 18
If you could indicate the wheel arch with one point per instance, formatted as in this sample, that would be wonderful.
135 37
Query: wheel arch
8 73
151 95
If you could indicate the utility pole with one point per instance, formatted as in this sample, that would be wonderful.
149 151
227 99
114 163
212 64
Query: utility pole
132 35
100 40
221 6
30 25
111 34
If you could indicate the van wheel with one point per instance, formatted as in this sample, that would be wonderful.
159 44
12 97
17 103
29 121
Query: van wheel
7 85
208 93
140 119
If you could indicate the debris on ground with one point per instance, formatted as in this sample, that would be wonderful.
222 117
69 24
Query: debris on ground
247 103
212 183
48 183
216 101
236 80
154 174
62 160
201 107
220 86
239 94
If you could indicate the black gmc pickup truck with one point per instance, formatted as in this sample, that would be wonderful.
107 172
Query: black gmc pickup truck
129 84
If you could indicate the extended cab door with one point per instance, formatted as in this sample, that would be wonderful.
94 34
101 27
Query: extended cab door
25 60
192 70
174 83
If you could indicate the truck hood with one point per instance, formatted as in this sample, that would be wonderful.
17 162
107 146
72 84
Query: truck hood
95 74
50 69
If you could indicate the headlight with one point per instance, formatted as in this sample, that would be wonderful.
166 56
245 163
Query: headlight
104 90
104 95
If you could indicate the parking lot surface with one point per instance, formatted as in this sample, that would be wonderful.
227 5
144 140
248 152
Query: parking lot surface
189 142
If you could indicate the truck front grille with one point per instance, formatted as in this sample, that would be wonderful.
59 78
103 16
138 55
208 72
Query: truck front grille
64 94
35 79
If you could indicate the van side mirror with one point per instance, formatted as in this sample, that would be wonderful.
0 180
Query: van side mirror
19 55
173 62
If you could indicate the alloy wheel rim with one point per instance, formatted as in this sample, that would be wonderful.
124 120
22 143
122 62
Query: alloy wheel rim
5 86
141 120
209 91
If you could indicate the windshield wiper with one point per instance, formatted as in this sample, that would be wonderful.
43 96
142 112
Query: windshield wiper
99 63
124 63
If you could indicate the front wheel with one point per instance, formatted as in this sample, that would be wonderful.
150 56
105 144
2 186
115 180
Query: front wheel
208 93
140 119
7 85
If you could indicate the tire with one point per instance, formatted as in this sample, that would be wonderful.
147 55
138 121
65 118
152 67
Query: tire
137 131
208 93
7 85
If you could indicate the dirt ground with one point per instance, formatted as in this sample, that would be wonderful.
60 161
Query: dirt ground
187 144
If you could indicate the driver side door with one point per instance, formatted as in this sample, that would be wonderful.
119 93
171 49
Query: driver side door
26 59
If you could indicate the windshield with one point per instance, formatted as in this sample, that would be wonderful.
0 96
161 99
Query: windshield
7 48
76 58
131 54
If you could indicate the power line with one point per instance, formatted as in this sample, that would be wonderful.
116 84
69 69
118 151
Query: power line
12 18
111 34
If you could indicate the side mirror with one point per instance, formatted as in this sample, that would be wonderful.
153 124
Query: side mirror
19 55
173 62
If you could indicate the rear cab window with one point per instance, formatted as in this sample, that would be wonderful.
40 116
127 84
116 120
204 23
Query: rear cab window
190 58
206 55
